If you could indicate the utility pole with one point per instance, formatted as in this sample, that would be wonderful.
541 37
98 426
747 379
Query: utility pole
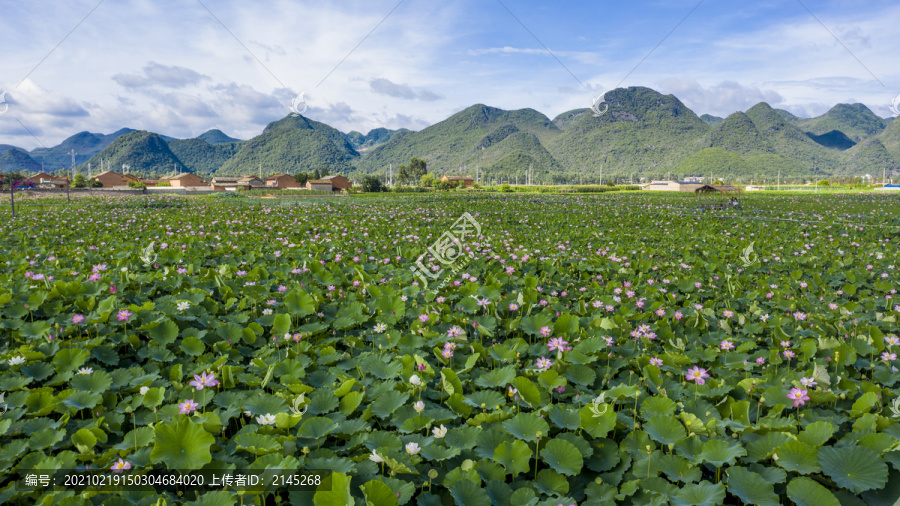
601 173
89 171
779 178
72 180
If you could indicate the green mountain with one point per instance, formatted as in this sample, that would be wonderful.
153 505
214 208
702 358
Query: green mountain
472 137
642 132
374 138
711 120
85 144
868 157
856 121
713 162
739 134
791 142
18 160
568 118
291 145
216 136
890 138
145 152
201 157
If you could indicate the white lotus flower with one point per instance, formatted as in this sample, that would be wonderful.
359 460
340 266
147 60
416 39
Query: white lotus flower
439 432
85 370
419 406
144 390
267 311
375 458
413 448
266 419
380 328
184 305
17 360
414 379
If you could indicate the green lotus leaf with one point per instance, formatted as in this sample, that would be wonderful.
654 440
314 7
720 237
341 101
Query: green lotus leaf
438 453
562 456
38 370
182 444
700 494
257 444
514 456
497 378
164 332
45 437
664 429
551 482
856 468
82 400
350 402
527 391
487 399
337 495
96 382
265 404
137 438
378 493
469 493
70 359
385 404
678 468
316 427
40 402
214 498
719 451
598 426
565 418
751 487
527 426
816 433
192 346
653 406
798 456
807 492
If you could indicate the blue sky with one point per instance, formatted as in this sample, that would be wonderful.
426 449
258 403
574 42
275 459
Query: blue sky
171 67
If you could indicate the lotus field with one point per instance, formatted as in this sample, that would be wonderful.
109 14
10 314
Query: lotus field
471 350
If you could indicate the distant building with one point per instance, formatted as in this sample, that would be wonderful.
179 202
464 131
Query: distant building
46 180
464 181
338 182
322 185
223 183
185 179
250 182
673 186
282 181
110 179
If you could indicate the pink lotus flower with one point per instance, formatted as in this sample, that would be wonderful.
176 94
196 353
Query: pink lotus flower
77 319
798 395
656 361
204 380
121 465
726 345
124 315
545 331
543 363
697 375
187 406
558 344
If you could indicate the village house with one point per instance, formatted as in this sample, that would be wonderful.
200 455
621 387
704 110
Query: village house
322 185
47 180
282 181
250 183
110 179
673 186
338 182
184 179
223 183
464 181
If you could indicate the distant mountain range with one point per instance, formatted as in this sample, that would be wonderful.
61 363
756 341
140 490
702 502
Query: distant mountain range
643 133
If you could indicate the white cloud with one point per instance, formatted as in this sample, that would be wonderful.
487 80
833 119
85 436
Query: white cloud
719 99
164 76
